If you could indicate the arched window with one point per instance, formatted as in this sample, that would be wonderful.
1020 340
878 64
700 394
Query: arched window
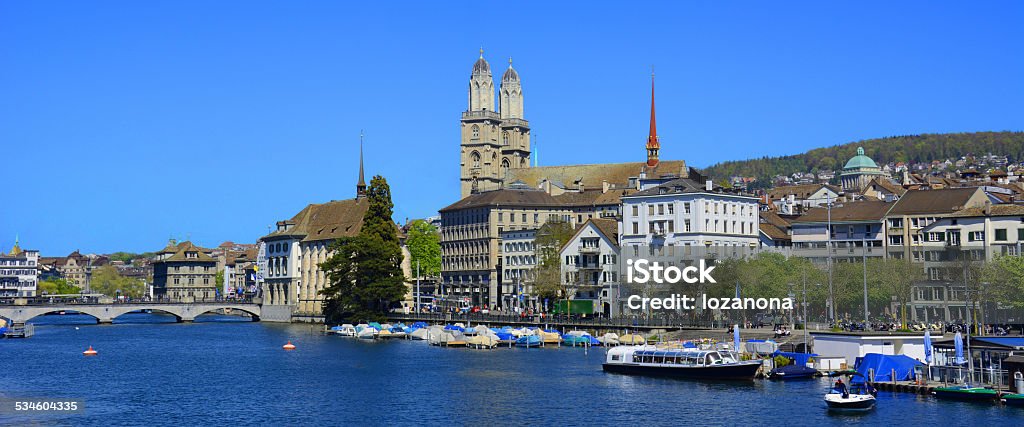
476 157
505 165
504 138
476 131
522 162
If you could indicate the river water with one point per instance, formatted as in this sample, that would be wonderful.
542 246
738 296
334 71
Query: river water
221 371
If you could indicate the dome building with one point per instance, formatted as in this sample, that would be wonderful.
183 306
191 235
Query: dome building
859 172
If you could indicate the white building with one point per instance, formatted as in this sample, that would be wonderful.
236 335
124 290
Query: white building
590 265
689 213
517 254
854 345
19 272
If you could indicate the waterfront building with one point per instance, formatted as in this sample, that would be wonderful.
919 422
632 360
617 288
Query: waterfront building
494 141
853 229
859 171
471 234
19 272
517 257
184 272
240 272
296 247
963 239
590 265
689 213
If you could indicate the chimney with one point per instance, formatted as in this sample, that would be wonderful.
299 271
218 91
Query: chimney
604 186
708 185
988 207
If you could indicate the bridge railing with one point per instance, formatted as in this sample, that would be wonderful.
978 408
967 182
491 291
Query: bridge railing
91 300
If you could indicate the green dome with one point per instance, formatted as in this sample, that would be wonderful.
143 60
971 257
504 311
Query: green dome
860 161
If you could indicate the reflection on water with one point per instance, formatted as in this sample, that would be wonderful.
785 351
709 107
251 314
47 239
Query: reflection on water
227 370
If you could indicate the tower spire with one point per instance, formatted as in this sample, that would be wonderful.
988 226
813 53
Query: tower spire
361 185
653 145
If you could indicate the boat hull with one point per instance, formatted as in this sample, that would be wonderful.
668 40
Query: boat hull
857 403
739 371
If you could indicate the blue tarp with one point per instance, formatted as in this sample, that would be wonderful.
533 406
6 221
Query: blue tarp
1007 341
883 366
798 358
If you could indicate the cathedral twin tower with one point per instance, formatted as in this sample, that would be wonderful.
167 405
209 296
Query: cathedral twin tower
492 141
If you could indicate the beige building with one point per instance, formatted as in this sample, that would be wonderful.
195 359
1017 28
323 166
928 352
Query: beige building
184 272
494 141
471 234
294 250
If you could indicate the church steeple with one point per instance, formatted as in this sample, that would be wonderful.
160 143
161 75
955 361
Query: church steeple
361 185
653 145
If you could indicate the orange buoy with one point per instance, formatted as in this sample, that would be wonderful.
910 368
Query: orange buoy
289 346
90 352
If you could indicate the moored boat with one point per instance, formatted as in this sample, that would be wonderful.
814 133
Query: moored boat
528 341
679 363
1013 399
792 372
965 392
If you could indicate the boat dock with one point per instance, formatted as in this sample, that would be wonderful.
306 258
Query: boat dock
20 331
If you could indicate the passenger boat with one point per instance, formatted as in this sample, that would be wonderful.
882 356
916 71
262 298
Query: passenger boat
965 392
1014 399
679 363
792 372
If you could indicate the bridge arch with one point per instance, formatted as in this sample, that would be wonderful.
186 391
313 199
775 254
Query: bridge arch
204 310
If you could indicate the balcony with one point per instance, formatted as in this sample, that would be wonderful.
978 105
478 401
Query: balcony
589 249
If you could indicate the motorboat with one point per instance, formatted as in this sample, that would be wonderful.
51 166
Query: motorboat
965 392
346 330
482 341
849 402
367 333
679 362
792 372
609 339
632 339
420 334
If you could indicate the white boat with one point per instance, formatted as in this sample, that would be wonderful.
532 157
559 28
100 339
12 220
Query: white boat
850 403
680 363
346 330
367 333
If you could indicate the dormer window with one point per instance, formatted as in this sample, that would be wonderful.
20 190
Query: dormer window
191 254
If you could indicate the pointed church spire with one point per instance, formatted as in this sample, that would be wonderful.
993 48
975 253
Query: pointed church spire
653 145
361 185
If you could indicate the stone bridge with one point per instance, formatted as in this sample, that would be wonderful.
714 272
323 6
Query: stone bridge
106 313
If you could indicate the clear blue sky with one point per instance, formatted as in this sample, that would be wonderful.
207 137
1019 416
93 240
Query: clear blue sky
125 123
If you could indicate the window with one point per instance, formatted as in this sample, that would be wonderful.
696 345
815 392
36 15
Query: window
671 208
650 209
671 226
1000 235
976 236
536 218
476 131
504 138
895 240
661 209
895 222
476 159
686 207
1020 234
636 228
636 210
524 217
501 216
686 225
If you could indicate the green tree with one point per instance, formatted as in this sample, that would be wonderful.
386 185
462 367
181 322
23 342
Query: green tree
57 287
424 246
219 281
896 277
1005 275
551 237
365 272
106 280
